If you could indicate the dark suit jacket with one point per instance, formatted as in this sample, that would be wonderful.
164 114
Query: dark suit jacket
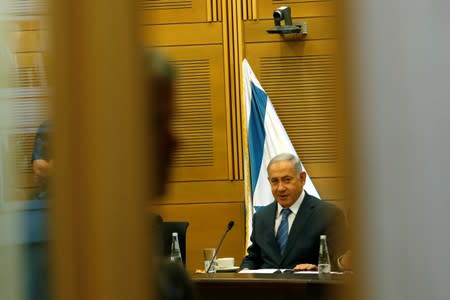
314 218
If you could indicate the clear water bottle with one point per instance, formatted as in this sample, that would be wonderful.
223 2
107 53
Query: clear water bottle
324 266
175 253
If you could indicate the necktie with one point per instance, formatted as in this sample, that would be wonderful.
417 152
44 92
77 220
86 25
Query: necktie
283 230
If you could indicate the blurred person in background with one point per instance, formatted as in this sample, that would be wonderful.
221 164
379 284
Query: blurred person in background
37 268
173 282
41 160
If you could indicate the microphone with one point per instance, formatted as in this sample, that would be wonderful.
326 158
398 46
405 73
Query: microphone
229 226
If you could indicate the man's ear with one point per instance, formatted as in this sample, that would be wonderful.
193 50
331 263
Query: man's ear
303 176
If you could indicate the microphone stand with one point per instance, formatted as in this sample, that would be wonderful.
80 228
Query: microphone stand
230 225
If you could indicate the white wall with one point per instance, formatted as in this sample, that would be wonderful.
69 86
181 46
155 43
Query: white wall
402 90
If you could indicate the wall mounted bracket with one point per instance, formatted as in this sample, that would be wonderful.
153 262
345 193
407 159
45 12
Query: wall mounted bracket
283 13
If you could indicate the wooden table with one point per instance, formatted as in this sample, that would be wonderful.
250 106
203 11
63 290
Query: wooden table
270 286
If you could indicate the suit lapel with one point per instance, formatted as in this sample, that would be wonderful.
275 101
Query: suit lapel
271 228
300 223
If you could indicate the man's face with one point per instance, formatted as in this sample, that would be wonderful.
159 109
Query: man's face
286 185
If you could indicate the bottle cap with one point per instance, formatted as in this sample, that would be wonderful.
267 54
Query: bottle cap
174 233
323 236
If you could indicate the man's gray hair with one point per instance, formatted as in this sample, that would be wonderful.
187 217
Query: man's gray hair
289 157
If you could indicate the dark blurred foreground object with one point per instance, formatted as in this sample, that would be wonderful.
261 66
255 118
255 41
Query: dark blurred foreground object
173 282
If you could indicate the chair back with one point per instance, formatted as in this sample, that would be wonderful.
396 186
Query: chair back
181 228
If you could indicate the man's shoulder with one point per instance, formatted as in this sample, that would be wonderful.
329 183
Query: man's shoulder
268 209
320 204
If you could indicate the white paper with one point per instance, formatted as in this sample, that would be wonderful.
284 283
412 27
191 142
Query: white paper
272 271
258 271
314 272
306 272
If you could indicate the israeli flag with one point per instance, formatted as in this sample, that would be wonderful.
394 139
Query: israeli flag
266 137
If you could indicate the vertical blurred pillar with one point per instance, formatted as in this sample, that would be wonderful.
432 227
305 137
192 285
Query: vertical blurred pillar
99 246
401 87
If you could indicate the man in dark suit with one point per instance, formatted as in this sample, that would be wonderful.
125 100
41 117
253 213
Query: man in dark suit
286 233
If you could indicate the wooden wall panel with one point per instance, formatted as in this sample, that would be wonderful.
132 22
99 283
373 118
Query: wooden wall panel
25 44
200 122
182 35
26 8
297 71
299 8
207 223
173 11
28 41
303 90
204 192
190 33
300 80
330 189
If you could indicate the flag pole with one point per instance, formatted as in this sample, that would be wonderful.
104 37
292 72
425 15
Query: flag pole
247 181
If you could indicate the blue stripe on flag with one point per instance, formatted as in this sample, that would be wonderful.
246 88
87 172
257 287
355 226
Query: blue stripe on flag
256 133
